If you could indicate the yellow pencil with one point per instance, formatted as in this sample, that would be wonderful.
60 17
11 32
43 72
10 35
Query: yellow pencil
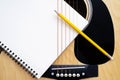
84 35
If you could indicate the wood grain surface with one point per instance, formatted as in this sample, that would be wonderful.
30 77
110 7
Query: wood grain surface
9 70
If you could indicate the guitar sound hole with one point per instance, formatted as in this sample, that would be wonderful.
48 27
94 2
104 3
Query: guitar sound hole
79 6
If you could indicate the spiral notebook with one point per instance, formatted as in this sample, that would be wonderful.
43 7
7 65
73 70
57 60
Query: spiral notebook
31 32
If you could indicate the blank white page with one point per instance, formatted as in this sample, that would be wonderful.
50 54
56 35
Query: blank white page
29 28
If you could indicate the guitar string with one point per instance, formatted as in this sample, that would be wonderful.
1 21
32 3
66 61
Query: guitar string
69 27
62 30
65 29
57 31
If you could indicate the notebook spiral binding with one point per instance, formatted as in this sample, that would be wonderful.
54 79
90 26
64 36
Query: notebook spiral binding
18 60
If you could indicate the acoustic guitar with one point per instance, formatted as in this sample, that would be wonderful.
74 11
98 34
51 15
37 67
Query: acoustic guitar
9 70
100 29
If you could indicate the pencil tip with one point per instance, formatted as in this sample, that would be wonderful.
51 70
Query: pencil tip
56 12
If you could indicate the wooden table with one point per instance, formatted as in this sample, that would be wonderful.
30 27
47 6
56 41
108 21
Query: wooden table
9 70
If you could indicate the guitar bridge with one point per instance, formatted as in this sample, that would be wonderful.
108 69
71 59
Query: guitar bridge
71 72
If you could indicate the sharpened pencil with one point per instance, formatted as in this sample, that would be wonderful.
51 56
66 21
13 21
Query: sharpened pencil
84 35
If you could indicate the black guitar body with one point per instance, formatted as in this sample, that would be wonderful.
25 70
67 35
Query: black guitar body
100 29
